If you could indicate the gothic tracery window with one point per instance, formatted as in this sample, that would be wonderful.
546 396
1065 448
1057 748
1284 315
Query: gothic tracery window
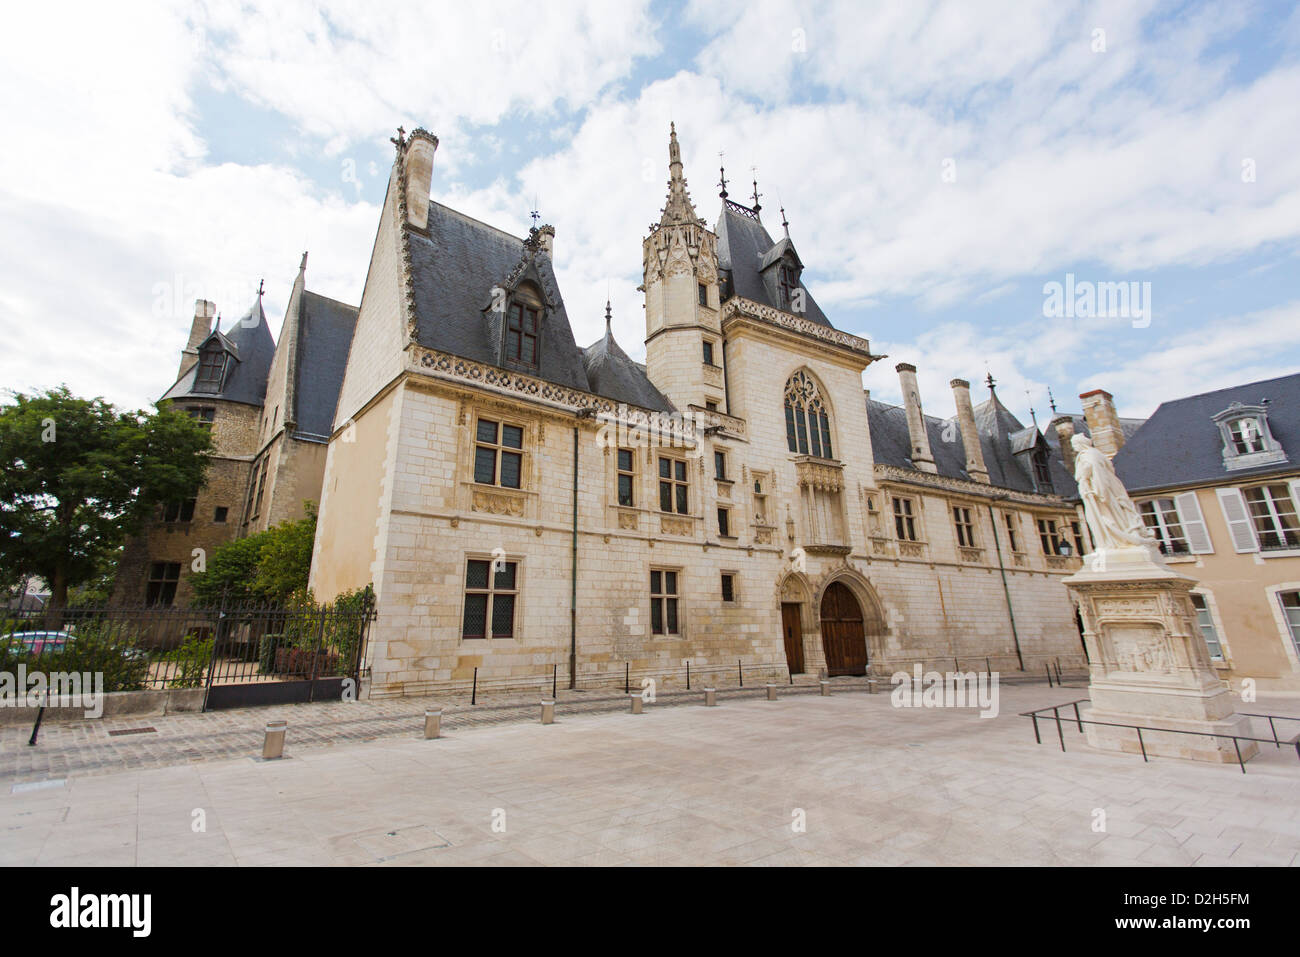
807 425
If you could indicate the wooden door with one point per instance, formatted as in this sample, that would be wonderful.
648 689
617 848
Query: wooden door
843 636
793 633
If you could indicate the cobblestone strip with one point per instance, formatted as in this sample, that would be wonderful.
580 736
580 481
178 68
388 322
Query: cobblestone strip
86 747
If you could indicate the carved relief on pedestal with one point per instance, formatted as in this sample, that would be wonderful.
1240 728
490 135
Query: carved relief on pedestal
1137 647
628 521
763 535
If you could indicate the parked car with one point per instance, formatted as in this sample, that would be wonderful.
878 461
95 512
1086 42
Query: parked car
38 642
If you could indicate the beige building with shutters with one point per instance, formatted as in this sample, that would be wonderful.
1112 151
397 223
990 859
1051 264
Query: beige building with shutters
1217 479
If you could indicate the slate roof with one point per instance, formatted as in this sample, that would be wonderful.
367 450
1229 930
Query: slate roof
613 374
743 251
1180 444
249 341
455 268
1000 432
325 328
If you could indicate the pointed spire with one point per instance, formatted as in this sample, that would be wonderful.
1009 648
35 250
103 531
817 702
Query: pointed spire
679 209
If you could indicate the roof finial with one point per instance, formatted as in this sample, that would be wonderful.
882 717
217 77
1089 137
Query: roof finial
400 139
722 174
784 223
609 316
261 287
754 170
989 380
1032 414
1051 400
302 266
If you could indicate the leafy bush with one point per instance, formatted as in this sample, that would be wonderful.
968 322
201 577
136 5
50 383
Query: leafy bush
266 652
191 660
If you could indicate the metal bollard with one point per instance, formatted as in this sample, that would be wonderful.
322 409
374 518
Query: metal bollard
826 688
710 697
771 692
432 722
638 703
548 712
273 745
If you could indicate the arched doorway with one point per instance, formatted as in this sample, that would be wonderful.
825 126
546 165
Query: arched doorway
843 633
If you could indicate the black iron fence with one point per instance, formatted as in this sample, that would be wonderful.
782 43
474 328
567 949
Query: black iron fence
1078 721
139 648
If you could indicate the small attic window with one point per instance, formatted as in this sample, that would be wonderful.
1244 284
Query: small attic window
789 282
212 370
1248 441
1042 472
523 327
1245 435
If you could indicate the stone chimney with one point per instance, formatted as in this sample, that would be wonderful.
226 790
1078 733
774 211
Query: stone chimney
922 458
1103 422
546 240
970 437
200 329
420 148
1064 426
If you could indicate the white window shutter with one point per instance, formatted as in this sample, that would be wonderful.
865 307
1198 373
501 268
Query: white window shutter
1193 522
1295 493
1240 527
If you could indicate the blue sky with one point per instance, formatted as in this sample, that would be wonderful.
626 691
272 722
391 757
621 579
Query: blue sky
939 164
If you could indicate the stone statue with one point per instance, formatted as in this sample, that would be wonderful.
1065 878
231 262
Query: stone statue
1112 517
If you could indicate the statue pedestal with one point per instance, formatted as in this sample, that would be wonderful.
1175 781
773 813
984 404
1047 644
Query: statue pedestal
1149 664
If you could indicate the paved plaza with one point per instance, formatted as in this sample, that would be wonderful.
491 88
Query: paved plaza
681 784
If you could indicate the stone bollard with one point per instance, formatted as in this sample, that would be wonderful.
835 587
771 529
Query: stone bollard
432 723
826 687
273 744
548 712
638 703
710 697
771 692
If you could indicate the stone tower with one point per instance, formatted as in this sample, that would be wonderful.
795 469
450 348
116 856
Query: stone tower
684 355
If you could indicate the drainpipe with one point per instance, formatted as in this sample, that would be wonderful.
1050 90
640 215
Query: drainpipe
584 413
726 378
1002 570
573 576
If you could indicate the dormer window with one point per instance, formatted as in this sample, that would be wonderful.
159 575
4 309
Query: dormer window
1247 440
1042 472
1245 435
788 282
521 334
522 327
212 369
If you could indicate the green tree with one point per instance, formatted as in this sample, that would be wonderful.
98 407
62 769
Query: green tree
284 562
78 476
269 565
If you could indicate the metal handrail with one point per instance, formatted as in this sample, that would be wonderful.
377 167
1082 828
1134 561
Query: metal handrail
1080 721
